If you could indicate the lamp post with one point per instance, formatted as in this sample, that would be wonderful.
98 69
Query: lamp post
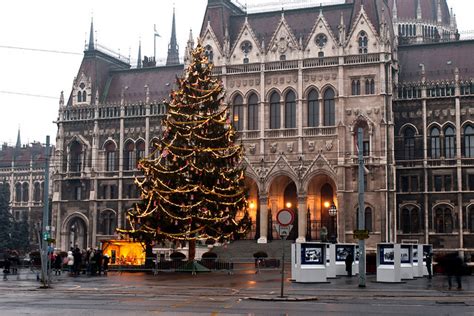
333 213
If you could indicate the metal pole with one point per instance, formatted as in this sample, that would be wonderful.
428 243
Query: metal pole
361 214
282 265
45 226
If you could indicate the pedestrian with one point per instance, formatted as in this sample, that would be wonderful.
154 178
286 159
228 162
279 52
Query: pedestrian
429 261
77 261
324 234
6 268
453 266
349 260
70 262
58 261
106 263
99 261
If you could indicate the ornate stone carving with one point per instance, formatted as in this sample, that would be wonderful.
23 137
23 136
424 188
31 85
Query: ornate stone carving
273 147
252 148
329 145
311 146
289 147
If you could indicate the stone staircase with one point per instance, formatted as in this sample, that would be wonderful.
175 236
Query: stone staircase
244 249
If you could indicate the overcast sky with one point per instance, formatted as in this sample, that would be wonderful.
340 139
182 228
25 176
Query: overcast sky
31 79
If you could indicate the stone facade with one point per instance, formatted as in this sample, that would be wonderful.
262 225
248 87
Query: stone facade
300 82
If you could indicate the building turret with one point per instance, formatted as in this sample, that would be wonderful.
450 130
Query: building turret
139 62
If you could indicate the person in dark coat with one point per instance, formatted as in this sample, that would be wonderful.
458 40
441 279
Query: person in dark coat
349 260
58 263
453 266
106 263
429 261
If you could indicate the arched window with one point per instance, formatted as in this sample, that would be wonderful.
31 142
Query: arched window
329 108
75 164
37 192
410 220
443 220
409 143
290 110
471 219
274 111
25 192
368 219
363 43
469 141
449 142
369 86
435 143
79 96
18 192
238 110
252 112
110 161
140 146
84 96
355 87
129 162
107 222
313 108
209 53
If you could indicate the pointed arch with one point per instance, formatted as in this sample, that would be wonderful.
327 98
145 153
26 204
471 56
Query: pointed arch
290 109
449 142
110 148
312 103
275 110
129 155
468 140
252 111
329 107
238 112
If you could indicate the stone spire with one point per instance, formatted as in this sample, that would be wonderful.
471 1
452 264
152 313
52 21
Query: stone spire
173 54
189 48
18 140
439 14
139 62
91 36
395 10
452 20
342 30
418 10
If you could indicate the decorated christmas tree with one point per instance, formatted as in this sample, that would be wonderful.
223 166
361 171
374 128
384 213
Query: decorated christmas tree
193 184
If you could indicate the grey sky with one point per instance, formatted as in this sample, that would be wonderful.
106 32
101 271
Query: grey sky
31 80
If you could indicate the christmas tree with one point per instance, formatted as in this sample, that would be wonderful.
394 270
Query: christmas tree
194 188
6 219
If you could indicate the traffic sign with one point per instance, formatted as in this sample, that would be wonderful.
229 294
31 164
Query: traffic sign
283 231
361 234
285 217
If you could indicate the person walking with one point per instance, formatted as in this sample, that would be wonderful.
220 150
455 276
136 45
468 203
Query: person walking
58 262
453 266
106 263
6 268
349 260
429 262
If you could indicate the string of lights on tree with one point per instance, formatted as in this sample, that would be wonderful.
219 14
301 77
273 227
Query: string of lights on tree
193 184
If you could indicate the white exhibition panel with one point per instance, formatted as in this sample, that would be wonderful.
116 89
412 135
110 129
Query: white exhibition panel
310 262
388 263
294 264
331 260
406 261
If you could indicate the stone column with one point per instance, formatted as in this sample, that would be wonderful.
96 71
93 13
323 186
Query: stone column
302 209
263 201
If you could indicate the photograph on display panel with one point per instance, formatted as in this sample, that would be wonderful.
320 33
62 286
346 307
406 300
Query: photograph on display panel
387 254
405 254
342 251
415 254
312 254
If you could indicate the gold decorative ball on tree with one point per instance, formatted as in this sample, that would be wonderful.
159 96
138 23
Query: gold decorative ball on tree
194 188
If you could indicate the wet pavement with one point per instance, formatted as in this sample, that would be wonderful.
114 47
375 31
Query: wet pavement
243 292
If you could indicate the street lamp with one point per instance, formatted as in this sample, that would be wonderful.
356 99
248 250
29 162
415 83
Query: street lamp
333 212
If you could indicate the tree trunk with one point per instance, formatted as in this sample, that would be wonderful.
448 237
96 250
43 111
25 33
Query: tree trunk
192 250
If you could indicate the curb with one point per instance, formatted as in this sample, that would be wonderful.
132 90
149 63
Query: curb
282 299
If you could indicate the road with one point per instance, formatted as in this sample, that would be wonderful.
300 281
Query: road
218 293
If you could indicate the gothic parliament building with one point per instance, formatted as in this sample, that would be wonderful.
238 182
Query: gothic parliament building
300 82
